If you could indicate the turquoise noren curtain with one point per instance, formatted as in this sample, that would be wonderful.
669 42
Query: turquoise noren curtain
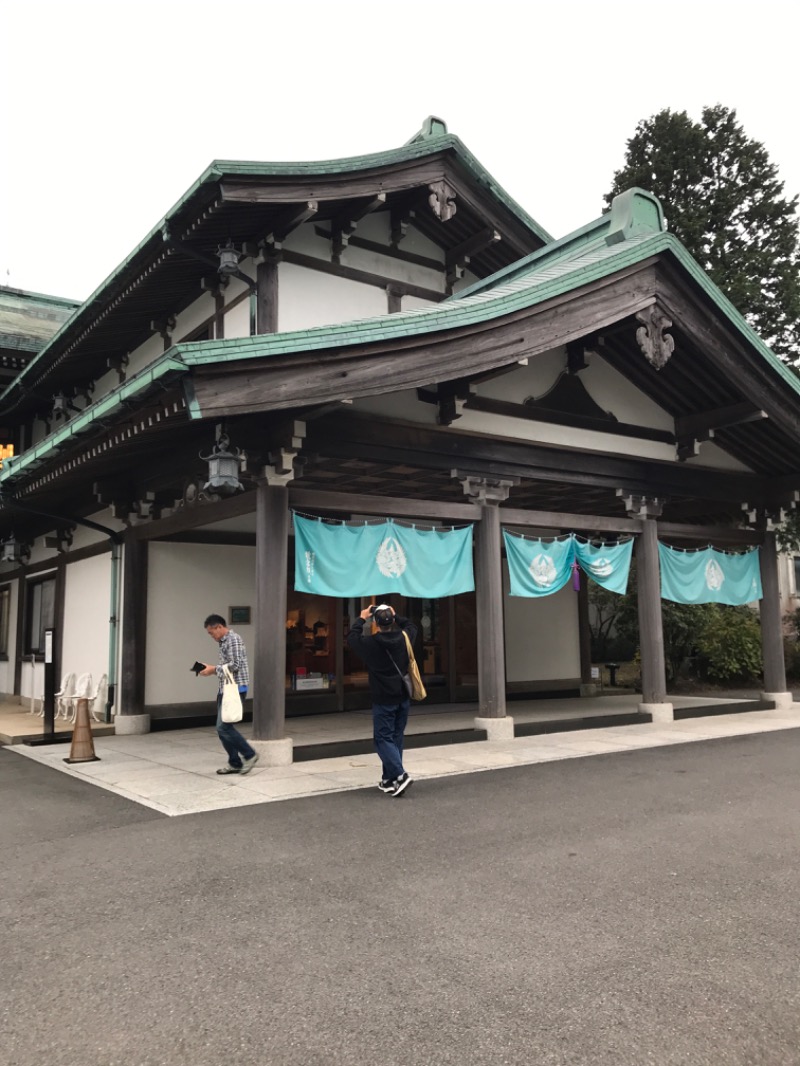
710 576
374 560
540 567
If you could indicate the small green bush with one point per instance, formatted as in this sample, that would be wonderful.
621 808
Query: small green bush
729 644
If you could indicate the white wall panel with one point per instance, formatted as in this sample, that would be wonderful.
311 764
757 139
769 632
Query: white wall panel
186 583
541 636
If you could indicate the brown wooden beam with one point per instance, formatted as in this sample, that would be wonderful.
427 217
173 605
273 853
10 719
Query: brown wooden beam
515 516
347 373
732 415
352 503
365 277
562 418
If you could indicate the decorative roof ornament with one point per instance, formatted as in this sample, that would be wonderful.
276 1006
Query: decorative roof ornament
656 345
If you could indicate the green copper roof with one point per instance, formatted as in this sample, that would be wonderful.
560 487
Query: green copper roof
617 240
629 233
431 139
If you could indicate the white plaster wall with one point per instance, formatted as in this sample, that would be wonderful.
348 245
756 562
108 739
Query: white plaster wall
87 610
7 666
308 298
186 583
32 676
541 636
237 320
193 316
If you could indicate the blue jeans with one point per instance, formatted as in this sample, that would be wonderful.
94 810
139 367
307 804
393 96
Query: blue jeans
389 725
232 740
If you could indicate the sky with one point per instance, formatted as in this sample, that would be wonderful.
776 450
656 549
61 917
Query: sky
112 110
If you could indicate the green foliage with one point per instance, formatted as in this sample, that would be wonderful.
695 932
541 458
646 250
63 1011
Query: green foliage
709 640
723 199
729 644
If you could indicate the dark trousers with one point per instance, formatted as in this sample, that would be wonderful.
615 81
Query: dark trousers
389 725
232 740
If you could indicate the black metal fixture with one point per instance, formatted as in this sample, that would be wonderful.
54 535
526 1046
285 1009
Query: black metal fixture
14 551
228 258
224 466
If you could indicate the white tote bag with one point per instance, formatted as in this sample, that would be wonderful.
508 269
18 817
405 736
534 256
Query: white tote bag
231 704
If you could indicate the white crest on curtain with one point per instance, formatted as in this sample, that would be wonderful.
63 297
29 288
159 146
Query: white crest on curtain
543 571
310 557
714 575
391 558
601 566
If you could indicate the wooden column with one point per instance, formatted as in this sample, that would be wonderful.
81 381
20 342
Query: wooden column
134 626
267 296
269 660
771 623
651 630
489 602
488 492
585 638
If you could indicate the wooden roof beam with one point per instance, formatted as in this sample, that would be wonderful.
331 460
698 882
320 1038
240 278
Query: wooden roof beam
343 226
457 259
721 418
288 221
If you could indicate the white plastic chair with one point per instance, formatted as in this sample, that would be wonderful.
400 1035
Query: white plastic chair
83 691
97 699
61 698
64 695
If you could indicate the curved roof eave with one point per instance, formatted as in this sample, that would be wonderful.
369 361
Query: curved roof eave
220 169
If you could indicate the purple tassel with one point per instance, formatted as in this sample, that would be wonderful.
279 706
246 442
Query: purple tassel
576 577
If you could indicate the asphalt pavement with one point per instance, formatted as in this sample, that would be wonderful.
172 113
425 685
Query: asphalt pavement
630 908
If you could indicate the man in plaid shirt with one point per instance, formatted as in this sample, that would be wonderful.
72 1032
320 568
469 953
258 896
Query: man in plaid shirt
233 654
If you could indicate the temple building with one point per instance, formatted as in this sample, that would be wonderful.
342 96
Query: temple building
387 336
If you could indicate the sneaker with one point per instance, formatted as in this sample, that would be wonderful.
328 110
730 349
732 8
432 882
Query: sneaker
401 784
386 786
249 764
228 769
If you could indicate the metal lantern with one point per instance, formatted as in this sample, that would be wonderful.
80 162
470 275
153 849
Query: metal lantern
13 551
228 258
223 468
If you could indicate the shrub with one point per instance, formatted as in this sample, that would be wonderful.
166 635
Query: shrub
729 644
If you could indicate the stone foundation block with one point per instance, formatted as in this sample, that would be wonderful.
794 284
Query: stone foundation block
497 728
275 752
126 725
661 712
783 700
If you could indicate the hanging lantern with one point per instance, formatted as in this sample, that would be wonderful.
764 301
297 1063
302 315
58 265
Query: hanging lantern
228 258
223 468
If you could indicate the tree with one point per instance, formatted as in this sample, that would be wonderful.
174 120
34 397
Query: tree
724 201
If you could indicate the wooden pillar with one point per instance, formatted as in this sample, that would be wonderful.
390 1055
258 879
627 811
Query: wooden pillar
269 660
651 630
339 653
488 492
771 623
134 626
585 638
267 296
489 601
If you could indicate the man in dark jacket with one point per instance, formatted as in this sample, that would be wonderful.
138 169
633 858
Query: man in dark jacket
386 656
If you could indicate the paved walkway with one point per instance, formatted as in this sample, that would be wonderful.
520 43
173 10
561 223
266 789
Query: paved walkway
175 772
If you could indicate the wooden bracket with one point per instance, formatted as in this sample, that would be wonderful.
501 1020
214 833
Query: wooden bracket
343 226
638 506
120 364
482 489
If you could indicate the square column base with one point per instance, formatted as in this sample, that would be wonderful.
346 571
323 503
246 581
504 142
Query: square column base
275 752
783 700
660 712
128 725
497 728
589 690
